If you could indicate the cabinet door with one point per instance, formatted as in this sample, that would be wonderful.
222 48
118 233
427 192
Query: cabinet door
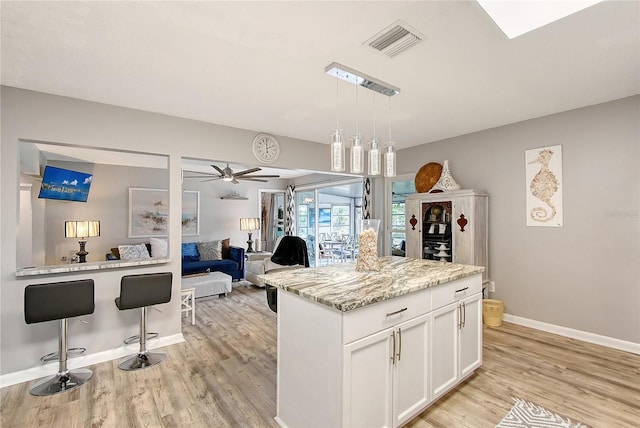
463 241
471 335
444 349
413 232
367 381
411 369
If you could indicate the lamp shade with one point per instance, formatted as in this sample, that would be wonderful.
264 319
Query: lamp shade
82 229
249 223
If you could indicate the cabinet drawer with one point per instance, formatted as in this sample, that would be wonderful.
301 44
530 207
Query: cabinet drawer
378 316
443 294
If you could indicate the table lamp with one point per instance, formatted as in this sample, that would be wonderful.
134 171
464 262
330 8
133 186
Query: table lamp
82 229
249 224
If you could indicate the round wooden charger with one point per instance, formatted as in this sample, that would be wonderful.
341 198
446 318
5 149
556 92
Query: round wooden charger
427 176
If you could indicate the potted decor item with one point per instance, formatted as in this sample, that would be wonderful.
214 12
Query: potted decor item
368 246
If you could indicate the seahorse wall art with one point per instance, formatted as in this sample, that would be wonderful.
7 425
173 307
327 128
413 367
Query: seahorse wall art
544 182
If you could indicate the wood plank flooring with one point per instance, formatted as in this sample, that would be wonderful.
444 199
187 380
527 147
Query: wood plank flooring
224 375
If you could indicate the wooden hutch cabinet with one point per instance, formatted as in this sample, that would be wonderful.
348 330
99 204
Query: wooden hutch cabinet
449 226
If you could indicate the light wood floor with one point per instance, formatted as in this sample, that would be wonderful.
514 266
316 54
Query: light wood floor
224 376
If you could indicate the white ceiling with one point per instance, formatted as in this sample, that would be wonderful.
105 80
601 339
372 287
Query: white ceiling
260 65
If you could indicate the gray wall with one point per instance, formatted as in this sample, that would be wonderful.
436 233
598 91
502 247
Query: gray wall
585 275
29 115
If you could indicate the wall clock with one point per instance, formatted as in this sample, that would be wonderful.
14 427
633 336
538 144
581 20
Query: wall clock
266 148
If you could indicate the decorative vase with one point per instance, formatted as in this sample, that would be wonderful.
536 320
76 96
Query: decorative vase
446 181
368 246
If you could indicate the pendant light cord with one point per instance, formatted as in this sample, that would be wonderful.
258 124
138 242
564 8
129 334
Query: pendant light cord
389 142
337 103
374 115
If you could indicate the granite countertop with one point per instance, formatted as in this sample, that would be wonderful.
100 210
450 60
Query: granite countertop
89 266
341 287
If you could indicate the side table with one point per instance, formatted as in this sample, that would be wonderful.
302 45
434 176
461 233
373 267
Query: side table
188 303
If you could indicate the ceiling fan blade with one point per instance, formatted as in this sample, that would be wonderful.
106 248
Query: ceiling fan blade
234 181
251 179
211 179
262 176
218 169
202 174
246 171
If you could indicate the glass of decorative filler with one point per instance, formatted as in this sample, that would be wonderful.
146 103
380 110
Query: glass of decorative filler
368 246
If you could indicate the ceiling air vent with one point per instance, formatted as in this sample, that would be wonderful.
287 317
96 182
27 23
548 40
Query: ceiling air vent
395 39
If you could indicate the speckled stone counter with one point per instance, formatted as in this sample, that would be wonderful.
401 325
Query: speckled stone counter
339 286
89 266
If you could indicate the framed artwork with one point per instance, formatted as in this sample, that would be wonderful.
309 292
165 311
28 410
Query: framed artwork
148 212
190 212
544 186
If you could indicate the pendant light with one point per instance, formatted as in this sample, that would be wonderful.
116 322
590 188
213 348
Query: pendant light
337 142
389 154
357 151
374 146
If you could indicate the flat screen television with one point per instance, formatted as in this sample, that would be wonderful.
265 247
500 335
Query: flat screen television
64 184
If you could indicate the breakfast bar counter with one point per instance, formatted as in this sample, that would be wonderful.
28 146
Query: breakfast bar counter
373 349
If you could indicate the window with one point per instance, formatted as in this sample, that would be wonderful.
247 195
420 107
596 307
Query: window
340 219
397 224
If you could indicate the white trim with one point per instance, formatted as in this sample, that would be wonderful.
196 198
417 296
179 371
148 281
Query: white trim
51 368
607 341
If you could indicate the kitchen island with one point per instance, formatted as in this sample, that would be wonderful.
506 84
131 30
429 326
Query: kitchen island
374 349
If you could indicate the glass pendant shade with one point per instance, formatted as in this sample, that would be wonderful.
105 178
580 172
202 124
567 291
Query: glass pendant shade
357 155
337 151
389 162
374 157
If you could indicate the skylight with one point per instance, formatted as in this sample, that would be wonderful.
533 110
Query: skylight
518 17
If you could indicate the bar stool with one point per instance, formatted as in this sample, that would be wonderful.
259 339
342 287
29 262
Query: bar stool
142 291
59 301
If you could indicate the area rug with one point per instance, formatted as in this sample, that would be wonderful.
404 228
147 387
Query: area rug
524 414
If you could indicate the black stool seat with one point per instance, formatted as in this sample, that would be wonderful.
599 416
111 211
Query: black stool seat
59 301
141 291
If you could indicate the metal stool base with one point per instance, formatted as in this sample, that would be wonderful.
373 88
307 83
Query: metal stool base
61 382
141 360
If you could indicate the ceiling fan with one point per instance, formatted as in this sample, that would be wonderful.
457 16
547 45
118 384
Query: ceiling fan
227 174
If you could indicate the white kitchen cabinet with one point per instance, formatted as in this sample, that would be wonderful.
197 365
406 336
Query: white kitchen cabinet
387 375
449 226
372 366
456 347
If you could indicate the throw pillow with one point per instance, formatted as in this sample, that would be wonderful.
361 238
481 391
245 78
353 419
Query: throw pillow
133 252
226 248
190 252
159 247
211 250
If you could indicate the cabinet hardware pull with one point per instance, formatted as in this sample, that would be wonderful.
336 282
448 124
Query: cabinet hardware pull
399 342
464 314
461 290
393 355
459 317
396 312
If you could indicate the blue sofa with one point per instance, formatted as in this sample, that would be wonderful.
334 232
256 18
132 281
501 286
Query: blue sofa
232 265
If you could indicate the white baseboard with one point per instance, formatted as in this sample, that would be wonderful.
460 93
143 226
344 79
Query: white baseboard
51 368
610 342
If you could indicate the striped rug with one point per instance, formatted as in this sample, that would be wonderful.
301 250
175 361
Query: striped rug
524 414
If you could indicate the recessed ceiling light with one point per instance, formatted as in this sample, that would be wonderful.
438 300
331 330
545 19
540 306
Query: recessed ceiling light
518 17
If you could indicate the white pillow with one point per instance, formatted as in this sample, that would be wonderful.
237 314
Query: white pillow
133 252
159 247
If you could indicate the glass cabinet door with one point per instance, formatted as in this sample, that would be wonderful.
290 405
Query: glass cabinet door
436 231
